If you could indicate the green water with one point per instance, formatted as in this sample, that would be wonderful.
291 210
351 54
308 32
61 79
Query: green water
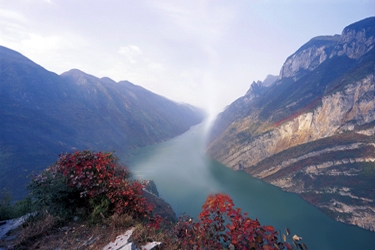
184 176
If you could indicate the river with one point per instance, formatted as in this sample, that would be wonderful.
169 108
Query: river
185 176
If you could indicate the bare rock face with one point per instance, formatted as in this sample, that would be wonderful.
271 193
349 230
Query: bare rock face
312 131
356 40
122 243
309 56
338 113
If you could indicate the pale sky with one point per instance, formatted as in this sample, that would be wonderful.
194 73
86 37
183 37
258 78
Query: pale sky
202 52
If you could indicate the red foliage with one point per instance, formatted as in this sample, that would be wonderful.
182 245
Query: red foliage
220 225
99 174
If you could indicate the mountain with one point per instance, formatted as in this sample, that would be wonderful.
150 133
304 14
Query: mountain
44 114
312 130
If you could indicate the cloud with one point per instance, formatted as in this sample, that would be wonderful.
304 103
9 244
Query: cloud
200 19
131 52
12 15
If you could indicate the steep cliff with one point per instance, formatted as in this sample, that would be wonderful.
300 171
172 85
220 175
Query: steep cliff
312 131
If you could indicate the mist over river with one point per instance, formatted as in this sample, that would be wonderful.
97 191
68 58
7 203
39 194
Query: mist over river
185 176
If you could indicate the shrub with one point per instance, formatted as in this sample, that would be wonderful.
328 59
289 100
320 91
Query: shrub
221 226
9 210
5 206
88 183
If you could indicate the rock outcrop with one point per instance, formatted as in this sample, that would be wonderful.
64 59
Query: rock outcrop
312 131
259 87
356 40
122 243
161 208
309 56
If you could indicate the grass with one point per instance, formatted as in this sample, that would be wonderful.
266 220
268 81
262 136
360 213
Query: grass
51 233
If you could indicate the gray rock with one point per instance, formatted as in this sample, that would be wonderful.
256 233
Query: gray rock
11 225
122 243
151 246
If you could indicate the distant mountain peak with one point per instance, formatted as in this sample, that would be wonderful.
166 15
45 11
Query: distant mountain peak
355 40
79 77
367 24
76 73
4 51
107 80
269 81
257 88
308 56
8 55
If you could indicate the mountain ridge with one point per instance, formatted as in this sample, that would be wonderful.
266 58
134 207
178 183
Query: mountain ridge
325 90
44 114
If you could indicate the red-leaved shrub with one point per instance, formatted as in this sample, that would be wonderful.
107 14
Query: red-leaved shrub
221 226
96 181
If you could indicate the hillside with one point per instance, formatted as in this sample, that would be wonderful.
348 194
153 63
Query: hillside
44 114
312 130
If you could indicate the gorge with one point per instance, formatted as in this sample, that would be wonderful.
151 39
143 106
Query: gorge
44 114
309 131
185 175
312 130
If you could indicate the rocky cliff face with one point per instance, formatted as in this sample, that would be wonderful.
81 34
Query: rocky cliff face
309 56
312 132
338 112
356 40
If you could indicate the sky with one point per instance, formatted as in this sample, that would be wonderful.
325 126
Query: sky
202 52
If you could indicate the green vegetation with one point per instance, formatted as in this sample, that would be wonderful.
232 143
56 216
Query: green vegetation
9 210
88 190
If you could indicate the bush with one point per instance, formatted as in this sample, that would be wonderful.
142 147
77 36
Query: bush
221 226
5 206
9 210
88 183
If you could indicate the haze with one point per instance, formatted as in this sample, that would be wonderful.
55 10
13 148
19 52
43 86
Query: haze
206 53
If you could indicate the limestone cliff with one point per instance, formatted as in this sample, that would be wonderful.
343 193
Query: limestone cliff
309 56
356 40
312 131
338 112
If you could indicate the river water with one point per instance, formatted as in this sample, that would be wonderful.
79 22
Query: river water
185 176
